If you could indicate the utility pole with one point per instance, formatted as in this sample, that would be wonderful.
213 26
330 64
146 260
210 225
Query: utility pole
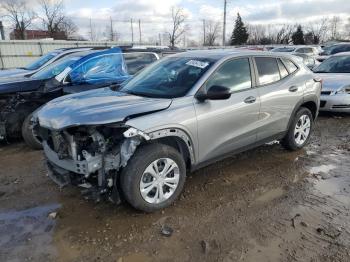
224 27
132 31
203 32
92 38
112 30
140 31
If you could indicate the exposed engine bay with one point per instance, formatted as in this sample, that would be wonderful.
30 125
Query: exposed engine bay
90 157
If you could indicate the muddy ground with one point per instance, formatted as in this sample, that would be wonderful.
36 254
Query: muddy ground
267 204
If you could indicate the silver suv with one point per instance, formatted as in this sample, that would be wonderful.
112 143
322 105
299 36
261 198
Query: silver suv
175 116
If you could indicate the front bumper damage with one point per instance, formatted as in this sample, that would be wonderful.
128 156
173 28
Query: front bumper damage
90 160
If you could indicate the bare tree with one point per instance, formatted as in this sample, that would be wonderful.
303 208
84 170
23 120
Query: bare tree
347 29
20 15
54 19
213 29
257 34
284 34
334 25
318 30
178 19
68 27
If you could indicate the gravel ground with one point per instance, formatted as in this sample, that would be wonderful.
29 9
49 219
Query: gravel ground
267 204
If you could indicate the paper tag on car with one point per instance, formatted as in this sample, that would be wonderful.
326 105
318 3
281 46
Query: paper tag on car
63 74
197 63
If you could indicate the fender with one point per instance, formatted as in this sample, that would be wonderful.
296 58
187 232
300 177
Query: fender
169 132
311 98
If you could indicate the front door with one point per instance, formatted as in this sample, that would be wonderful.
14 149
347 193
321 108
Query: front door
226 125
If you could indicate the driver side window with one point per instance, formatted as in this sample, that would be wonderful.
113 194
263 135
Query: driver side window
234 74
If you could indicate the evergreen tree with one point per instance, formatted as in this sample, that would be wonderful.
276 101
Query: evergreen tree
298 36
240 34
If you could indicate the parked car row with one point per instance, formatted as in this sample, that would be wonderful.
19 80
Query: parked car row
72 71
127 123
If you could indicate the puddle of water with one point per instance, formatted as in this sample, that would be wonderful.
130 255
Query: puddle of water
321 169
270 195
337 187
26 233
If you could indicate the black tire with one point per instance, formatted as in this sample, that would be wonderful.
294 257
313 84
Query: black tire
28 135
289 141
131 175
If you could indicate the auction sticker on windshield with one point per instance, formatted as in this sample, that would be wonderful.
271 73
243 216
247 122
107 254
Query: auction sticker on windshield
197 63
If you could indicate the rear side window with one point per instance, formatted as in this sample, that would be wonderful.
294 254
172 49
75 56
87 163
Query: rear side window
234 74
291 67
137 61
268 70
283 69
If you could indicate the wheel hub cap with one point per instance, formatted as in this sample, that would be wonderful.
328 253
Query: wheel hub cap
159 180
302 130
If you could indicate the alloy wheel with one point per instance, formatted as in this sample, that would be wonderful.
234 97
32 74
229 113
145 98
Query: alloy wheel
302 130
159 180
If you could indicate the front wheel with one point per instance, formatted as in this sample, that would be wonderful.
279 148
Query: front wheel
153 178
300 130
29 135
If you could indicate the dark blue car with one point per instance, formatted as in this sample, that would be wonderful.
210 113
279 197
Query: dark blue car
20 97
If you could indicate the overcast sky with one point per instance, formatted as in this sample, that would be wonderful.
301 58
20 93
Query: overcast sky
154 14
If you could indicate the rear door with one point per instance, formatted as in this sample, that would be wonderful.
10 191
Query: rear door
226 125
279 92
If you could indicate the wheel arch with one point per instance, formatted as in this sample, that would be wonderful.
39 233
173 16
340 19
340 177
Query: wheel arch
310 103
177 139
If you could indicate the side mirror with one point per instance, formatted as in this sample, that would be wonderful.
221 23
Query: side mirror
215 93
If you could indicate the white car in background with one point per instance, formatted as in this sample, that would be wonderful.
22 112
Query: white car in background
312 51
335 73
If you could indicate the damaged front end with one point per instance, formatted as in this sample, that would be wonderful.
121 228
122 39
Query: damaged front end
90 157
10 123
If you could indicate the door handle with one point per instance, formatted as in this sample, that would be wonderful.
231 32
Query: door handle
250 100
293 89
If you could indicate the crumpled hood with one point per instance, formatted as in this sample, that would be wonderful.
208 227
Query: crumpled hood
333 82
100 106
20 84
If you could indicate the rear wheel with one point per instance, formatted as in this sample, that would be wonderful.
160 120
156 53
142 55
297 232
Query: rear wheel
28 134
153 178
300 130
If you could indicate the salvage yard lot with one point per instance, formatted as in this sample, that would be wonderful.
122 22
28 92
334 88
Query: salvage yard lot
267 204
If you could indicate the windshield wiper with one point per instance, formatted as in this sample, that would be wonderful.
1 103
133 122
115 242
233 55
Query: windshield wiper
322 72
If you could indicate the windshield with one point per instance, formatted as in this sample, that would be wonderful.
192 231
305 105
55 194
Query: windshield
168 78
41 61
283 49
55 68
326 50
335 64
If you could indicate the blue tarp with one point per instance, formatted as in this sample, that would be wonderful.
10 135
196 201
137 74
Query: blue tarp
103 66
